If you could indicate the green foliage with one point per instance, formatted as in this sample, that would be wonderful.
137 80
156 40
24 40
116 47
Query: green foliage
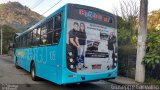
127 31
126 42
151 80
8 36
123 36
134 40
152 57
126 50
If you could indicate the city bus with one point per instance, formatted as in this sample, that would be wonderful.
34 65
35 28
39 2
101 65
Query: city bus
74 44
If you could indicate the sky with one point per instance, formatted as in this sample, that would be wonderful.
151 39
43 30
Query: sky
41 6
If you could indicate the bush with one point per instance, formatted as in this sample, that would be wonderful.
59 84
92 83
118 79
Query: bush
151 80
124 36
8 37
152 57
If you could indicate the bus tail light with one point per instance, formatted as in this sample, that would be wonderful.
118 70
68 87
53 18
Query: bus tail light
70 53
71 61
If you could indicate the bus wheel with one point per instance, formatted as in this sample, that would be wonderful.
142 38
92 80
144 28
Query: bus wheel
16 63
33 72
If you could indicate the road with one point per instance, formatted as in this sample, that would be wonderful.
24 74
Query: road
19 79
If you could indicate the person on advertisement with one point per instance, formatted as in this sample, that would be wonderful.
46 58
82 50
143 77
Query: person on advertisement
111 47
81 42
73 39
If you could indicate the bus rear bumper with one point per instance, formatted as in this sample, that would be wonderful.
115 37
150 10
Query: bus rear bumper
71 77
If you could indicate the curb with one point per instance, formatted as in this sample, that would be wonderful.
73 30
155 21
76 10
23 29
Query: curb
119 83
115 82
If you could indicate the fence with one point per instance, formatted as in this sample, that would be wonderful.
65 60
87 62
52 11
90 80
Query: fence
127 61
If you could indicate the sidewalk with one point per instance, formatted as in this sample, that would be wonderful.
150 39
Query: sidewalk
123 81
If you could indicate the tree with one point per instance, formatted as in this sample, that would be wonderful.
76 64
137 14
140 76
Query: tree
8 36
128 22
142 35
153 19
129 11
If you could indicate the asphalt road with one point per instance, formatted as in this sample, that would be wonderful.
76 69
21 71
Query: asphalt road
19 79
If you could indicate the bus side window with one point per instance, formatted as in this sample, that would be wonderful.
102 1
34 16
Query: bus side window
50 32
57 29
29 38
31 42
21 41
36 37
17 42
25 40
43 35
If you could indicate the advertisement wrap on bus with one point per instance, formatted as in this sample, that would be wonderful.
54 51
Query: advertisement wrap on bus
91 41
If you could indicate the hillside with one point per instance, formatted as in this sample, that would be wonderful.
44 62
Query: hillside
18 16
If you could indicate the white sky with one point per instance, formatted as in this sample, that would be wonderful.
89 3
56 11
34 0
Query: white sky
106 5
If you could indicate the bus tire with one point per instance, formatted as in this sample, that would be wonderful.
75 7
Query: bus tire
16 63
33 72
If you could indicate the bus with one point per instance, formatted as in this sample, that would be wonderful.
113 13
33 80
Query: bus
74 44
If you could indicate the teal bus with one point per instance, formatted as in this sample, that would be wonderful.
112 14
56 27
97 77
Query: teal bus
74 44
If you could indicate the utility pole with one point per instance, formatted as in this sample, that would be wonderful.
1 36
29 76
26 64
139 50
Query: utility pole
141 45
1 40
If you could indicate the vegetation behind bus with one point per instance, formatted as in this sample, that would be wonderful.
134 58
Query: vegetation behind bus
128 43
8 37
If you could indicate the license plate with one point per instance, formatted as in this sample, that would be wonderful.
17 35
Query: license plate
97 66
